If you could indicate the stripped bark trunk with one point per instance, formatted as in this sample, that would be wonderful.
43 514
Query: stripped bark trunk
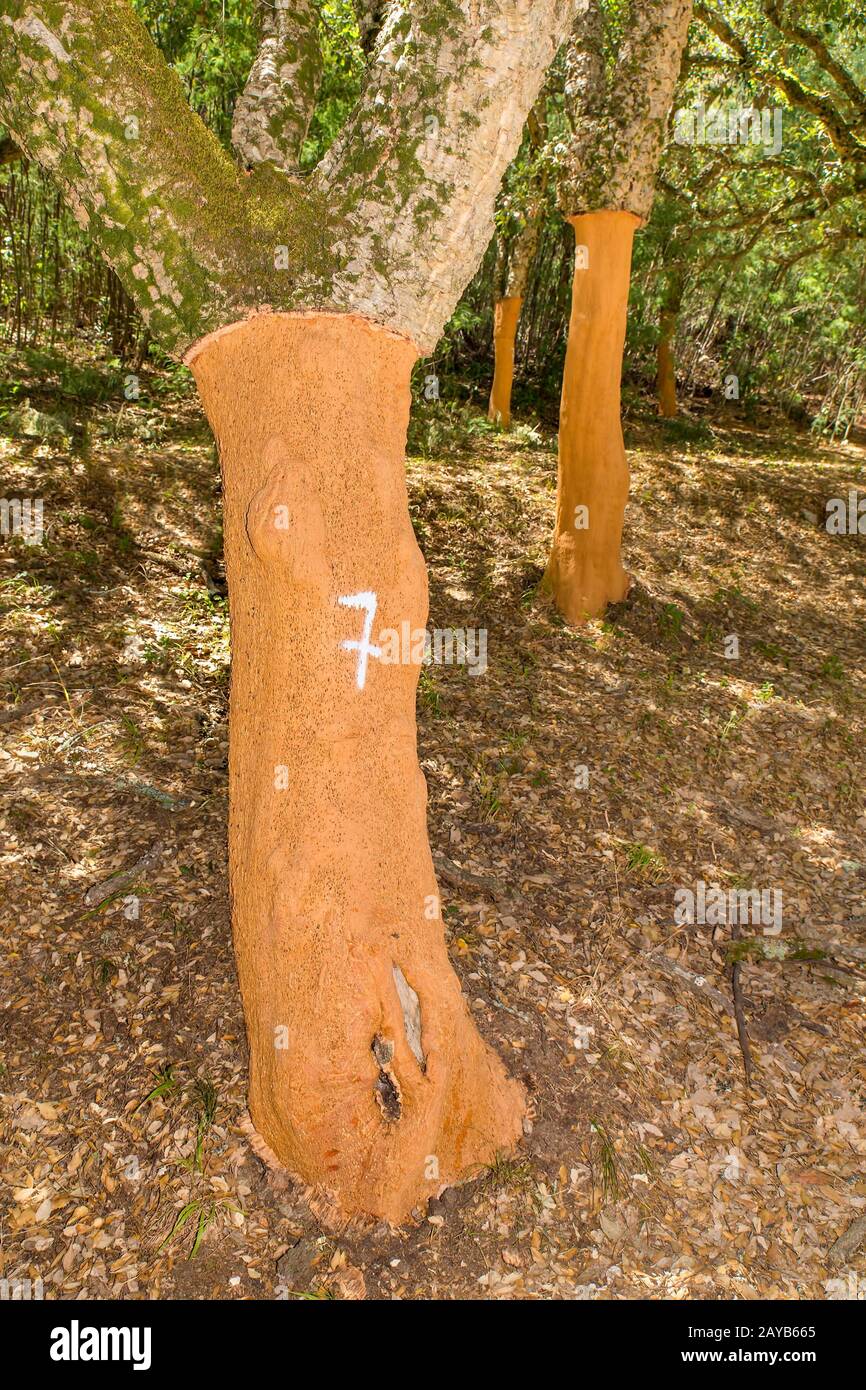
585 573
335 904
514 263
382 1091
506 315
606 186
666 376
506 312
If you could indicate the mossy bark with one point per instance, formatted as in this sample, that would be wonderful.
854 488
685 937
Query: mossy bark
391 225
373 1099
585 573
620 107
273 113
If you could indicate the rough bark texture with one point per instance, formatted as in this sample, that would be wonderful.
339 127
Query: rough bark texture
370 15
506 315
273 113
87 95
620 121
332 882
391 225
416 172
584 572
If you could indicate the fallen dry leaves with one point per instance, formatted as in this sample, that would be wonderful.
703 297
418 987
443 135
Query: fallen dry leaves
649 1172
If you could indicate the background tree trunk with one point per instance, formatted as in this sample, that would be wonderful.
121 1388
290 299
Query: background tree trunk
584 572
607 182
666 376
506 315
332 881
514 264
273 113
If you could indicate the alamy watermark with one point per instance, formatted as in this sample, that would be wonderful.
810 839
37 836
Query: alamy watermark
444 646
851 1288
846 517
77 1343
22 517
21 1290
720 125
720 907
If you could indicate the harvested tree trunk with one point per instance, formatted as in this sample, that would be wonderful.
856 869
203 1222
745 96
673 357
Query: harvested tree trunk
368 1078
606 184
585 572
516 258
506 315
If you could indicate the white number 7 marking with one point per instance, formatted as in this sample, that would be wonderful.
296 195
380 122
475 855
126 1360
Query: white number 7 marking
364 648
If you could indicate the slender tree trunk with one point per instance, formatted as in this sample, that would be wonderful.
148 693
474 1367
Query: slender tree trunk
585 572
506 316
368 1078
518 256
666 376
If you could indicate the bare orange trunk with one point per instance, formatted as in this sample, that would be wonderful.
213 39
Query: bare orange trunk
505 320
368 1079
585 572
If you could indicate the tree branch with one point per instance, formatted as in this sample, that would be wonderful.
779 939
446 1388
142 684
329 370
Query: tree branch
614 158
392 224
585 79
273 113
85 92
842 137
835 70
415 173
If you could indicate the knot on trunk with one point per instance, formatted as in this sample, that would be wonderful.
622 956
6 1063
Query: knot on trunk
387 1087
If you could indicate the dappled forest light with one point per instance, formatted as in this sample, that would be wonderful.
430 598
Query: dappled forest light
433 471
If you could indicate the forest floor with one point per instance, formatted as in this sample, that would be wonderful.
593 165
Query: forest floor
651 1171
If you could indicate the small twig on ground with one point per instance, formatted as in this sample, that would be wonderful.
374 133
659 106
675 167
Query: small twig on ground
697 983
848 1244
462 878
746 817
117 882
740 1015
171 803
775 948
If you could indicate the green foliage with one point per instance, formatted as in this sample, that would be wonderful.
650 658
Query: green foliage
211 46
342 78
756 252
